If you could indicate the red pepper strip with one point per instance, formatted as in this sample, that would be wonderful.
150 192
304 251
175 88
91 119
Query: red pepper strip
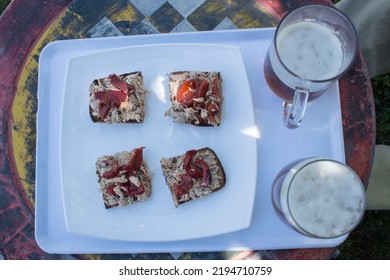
187 158
191 169
197 168
120 84
202 86
103 110
206 176
109 99
135 161
112 163
133 190
121 96
184 186
130 189
110 190
212 109
216 89
186 92
99 94
191 89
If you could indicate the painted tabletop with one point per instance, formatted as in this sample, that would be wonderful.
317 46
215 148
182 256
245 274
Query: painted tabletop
26 27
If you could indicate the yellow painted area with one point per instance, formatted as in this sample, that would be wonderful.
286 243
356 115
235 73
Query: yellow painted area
69 25
126 13
23 109
76 15
213 8
243 19
93 257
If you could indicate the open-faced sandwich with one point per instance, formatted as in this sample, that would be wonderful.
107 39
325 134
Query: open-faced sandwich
118 99
123 178
196 97
193 175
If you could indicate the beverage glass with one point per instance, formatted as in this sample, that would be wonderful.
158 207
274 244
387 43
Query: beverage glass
318 197
313 46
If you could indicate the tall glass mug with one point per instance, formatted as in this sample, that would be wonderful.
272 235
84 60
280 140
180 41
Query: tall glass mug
313 46
320 198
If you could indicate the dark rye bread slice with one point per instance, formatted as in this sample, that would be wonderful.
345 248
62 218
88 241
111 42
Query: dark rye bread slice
196 97
124 104
123 178
174 169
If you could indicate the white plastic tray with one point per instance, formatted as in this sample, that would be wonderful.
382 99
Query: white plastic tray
157 219
319 135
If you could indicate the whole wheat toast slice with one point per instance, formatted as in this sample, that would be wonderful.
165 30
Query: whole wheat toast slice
184 185
123 178
118 98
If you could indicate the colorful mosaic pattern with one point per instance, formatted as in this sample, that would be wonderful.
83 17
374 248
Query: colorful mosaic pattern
67 19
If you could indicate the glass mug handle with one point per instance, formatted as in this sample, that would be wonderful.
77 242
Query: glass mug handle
293 112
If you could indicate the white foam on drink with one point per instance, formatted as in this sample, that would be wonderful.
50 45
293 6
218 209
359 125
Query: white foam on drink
310 50
325 199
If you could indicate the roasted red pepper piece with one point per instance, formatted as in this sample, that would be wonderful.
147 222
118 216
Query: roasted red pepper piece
110 190
118 95
212 110
128 189
197 168
120 84
132 190
202 87
103 110
99 94
191 169
216 88
109 99
112 163
206 173
184 186
191 89
131 168
187 159
135 161
186 92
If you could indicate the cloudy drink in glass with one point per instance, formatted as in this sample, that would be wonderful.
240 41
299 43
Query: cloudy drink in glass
310 50
313 46
319 198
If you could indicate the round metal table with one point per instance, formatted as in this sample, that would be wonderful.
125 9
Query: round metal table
26 27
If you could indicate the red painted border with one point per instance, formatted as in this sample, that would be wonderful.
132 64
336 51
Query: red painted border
41 10
279 8
21 25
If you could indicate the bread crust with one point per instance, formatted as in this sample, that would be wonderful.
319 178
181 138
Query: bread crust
173 168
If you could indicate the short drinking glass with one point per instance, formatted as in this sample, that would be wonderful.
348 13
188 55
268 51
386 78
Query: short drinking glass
320 198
